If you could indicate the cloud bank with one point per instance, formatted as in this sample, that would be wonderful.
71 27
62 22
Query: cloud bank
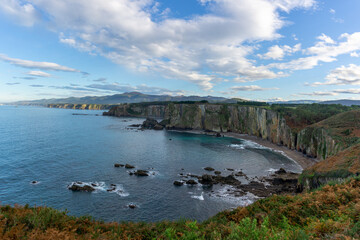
201 49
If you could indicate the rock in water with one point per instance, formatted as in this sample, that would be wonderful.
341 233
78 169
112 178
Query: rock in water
129 166
218 135
206 179
178 183
191 182
240 174
149 123
80 188
217 172
158 127
141 173
209 169
132 206
118 165
280 171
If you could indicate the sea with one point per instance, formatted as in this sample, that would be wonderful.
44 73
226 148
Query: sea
44 150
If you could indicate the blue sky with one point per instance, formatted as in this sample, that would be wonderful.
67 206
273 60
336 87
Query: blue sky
252 49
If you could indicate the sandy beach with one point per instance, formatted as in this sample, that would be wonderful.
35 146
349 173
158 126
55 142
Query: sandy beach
298 157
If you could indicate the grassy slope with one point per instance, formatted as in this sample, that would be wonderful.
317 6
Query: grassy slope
345 127
349 160
332 212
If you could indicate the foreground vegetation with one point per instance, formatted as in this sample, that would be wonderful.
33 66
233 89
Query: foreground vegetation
331 212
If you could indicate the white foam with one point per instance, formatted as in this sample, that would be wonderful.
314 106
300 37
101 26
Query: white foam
237 146
119 190
102 187
201 197
228 196
250 144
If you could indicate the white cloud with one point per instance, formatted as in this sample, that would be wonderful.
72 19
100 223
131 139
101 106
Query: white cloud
348 91
36 65
22 13
143 88
279 52
325 50
354 54
251 88
319 94
125 32
349 75
332 11
38 74
335 92
325 40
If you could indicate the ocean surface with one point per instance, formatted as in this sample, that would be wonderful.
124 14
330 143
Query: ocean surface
56 148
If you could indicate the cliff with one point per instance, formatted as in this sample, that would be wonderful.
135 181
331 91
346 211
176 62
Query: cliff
316 141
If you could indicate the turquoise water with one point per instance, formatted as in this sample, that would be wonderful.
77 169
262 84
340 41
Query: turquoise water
55 147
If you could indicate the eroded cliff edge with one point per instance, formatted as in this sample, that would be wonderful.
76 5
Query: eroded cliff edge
314 141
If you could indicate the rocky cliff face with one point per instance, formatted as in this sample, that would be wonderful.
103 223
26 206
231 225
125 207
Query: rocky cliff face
138 110
267 124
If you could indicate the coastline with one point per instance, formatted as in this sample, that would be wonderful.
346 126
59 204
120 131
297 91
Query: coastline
298 157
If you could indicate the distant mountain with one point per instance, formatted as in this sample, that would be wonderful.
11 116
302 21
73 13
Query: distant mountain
343 102
130 97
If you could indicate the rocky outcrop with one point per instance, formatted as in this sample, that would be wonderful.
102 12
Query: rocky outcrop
256 121
138 110
81 187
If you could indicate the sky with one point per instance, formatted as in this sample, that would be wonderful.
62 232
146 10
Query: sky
267 50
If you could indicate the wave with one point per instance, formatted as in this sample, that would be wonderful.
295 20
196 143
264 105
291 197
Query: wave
201 197
226 194
102 187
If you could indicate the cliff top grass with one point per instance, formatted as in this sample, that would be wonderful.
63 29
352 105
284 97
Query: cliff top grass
343 127
332 212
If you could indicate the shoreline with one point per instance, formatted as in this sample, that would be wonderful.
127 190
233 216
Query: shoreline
298 157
